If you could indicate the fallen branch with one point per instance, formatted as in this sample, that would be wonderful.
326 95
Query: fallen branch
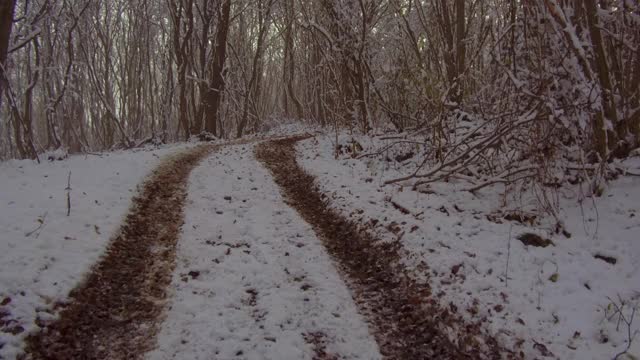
387 147
403 209
504 178
473 151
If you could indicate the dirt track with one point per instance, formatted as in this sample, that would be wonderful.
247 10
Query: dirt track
113 313
407 322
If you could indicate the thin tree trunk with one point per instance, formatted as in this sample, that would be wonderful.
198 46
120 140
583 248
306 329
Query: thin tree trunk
460 50
608 105
251 88
289 63
634 86
217 83
6 23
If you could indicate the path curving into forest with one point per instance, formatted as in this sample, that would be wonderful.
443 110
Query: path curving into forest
113 313
407 322
116 312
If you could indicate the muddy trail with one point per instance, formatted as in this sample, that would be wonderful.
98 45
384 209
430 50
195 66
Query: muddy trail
406 319
113 313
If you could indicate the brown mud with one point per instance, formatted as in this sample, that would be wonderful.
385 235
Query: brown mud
114 312
405 318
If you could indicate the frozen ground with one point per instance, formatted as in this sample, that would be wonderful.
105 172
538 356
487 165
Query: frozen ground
558 300
252 280
45 253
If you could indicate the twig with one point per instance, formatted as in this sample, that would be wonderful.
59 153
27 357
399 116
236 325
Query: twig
401 208
387 147
39 228
506 270
540 281
630 335
68 194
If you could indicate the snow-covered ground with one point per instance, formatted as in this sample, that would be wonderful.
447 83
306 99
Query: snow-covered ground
252 281
45 253
558 299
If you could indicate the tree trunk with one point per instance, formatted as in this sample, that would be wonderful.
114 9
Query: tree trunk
449 58
182 17
633 86
6 23
606 95
251 88
289 63
216 87
460 50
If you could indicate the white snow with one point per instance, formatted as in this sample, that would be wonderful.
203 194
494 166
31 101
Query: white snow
43 252
251 278
569 319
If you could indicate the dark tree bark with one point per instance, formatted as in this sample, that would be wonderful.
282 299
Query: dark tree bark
460 49
216 86
206 17
182 18
608 106
252 88
7 8
289 62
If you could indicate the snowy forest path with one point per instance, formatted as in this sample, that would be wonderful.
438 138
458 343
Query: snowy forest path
251 279
112 313
271 289
406 320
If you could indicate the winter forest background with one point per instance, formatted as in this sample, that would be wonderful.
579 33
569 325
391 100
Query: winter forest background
407 170
523 89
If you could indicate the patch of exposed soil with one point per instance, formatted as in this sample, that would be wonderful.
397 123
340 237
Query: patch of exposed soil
113 314
407 321
318 341
531 239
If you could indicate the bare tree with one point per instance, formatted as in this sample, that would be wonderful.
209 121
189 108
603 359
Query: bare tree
216 84
123 73
6 23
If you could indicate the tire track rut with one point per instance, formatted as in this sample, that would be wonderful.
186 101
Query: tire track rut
407 321
113 313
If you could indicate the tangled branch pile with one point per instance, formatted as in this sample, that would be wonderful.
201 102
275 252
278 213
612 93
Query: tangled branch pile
547 94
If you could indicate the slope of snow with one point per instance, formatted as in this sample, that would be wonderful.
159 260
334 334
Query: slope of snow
43 252
252 281
559 298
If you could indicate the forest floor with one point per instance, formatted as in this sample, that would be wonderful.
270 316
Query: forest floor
571 295
267 250
113 313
